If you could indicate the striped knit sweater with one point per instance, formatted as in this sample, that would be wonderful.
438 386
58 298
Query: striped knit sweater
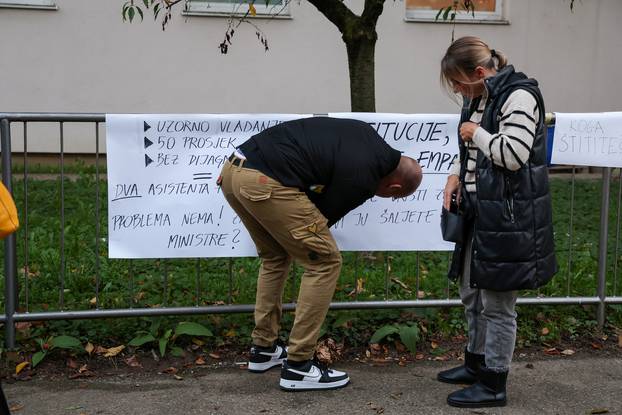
511 146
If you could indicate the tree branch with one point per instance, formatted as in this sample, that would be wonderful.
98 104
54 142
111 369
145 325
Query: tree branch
336 12
372 11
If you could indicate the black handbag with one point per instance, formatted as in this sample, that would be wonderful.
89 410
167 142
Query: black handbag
452 223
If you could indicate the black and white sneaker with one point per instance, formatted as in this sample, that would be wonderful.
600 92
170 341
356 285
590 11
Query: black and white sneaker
262 359
311 376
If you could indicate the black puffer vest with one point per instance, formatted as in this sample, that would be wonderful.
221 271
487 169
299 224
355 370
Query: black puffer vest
513 244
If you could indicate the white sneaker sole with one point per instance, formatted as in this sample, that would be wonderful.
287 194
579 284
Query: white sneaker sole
302 385
265 366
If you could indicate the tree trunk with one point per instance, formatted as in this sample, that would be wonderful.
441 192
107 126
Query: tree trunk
359 35
361 51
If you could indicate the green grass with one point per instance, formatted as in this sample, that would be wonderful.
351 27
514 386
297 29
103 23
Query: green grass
175 282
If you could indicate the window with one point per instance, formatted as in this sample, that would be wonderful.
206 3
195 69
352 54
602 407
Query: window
29 4
486 11
238 7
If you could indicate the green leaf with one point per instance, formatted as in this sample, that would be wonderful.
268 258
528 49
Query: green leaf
155 327
140 340
131 13
177 351
445 14
341 320
438 14
410 337
453 17
163 343
66 342
192 329
146 3
140 12
383 332
156 10
37 358
167 334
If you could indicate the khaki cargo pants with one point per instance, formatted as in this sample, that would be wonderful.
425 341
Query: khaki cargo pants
285 225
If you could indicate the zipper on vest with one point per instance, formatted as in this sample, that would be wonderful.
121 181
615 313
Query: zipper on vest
509 199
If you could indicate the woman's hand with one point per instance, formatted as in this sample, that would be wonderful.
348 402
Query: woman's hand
467 130
452 187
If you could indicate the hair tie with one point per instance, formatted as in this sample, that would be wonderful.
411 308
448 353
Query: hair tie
493 53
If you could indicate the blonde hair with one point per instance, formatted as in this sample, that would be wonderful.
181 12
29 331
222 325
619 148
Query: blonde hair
464 55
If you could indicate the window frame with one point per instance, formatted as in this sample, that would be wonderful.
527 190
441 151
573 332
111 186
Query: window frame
429 16
208 8
29 4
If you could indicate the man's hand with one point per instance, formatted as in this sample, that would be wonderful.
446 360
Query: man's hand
452 187
467 130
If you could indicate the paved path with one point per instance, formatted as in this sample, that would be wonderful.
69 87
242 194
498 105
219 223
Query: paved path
558 386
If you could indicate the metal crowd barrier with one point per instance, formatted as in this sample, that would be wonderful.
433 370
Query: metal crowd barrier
12 315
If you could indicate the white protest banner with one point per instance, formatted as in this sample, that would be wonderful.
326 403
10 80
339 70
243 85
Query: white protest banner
163 201
412 223
593 139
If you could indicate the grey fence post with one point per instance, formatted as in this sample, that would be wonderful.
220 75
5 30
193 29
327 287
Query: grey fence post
10 253
602 246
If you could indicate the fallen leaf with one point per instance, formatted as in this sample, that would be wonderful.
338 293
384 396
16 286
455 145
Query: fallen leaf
132 361
113 351
568 352
599 411
89 348
551 352
198 342
401 284
100 350
597 346
22 325
419 356
84 374
16 407
72 364
396 395
20 366
170 370
322 352
93 301
215 355
199 361
545 331
375 347
434 345
83 368
178 377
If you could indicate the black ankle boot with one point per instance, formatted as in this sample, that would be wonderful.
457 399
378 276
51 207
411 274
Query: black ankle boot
465 374
488 391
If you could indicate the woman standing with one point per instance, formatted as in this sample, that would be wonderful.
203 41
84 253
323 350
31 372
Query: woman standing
501 187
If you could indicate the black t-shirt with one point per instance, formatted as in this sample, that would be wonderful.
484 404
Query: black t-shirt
338 163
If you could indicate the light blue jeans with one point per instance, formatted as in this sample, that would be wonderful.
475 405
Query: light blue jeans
491 319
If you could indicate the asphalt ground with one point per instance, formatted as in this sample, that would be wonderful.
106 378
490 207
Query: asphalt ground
570 385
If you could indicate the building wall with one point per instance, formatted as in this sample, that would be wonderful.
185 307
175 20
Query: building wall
83 58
